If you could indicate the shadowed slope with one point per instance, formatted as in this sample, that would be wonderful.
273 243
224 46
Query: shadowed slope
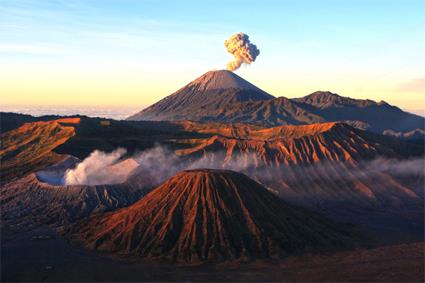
379 116
320 166
30 201
209 215
270 112
325 99
211 92
10 120
222 96
278 156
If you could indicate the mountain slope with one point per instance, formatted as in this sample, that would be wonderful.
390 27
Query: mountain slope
380 116
326 99
270 112
209 215
10 121
222 96
213 90
315 165
30 147
320 165
304 144
328 166
29 202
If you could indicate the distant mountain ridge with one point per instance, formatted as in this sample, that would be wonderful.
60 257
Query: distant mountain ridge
10 121
222 96
325 99
376 116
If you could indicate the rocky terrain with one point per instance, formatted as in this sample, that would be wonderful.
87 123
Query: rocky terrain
262 179
222 96
209 214
29 202
320 166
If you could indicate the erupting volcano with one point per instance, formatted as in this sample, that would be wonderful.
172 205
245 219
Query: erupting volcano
222 96
209 93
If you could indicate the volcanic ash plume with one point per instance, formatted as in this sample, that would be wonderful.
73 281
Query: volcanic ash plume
242 49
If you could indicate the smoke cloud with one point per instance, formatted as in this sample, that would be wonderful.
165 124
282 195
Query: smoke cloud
242 49
150 167
156 165
98 168
381 179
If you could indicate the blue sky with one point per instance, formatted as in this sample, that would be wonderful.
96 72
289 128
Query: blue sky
129 52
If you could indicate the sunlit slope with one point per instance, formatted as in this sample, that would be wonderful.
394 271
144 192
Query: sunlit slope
30 147
210 215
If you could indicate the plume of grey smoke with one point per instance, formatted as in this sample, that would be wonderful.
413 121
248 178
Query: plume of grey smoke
97 169
156 165
219 160
243 51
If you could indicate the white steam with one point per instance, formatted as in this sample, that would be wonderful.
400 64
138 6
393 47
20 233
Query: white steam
156 165
381 180
242 49
150 167
98 168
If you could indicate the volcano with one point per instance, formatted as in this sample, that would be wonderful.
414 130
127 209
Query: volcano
327 166
202 215
42 197
222 96
211 92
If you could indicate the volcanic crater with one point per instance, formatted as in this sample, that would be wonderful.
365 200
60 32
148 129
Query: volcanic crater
45 197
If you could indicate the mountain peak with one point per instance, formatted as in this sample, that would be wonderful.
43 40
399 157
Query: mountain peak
222 79
208 214
211 92
325 99
322 96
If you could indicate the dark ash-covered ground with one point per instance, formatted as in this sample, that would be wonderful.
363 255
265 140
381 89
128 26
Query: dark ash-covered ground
43 256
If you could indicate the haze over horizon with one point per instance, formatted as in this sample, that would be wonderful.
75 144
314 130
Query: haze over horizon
133 53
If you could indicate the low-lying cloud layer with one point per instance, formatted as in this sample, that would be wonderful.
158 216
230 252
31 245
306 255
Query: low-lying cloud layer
153 166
